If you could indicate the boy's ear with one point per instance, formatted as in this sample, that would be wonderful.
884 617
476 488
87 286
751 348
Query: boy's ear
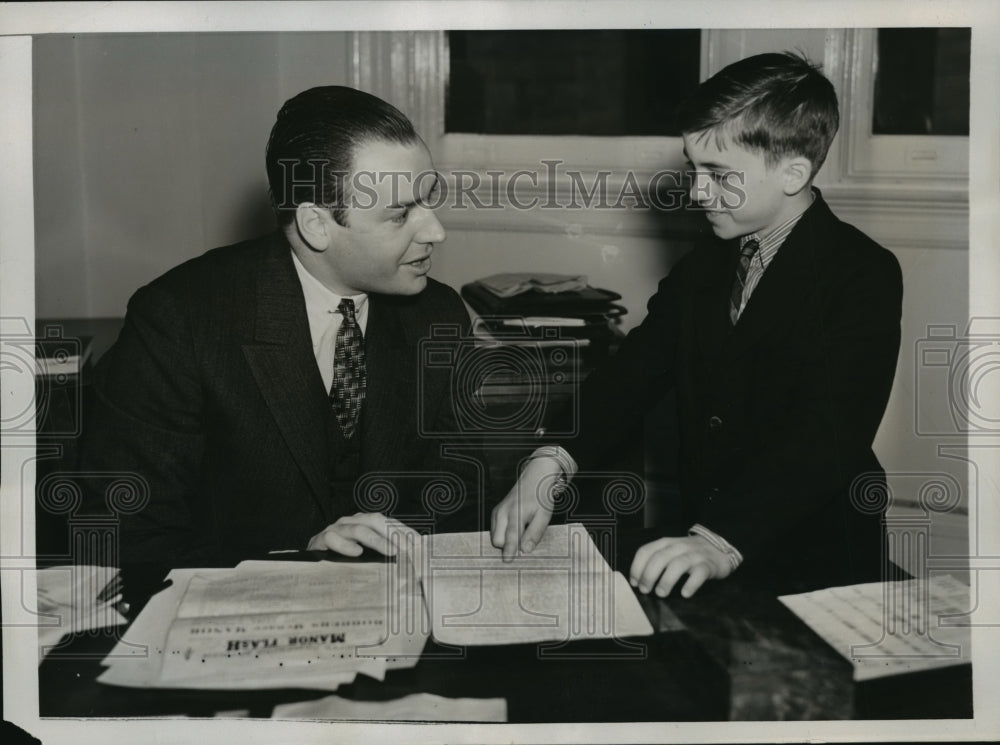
313 225
797 173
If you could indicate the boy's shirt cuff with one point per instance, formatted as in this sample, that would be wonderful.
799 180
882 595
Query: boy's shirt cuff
569 469
560 456
731 552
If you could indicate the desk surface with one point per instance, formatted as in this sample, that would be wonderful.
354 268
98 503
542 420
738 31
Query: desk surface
732 652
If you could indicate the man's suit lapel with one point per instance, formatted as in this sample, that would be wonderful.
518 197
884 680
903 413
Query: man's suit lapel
283 364
392 382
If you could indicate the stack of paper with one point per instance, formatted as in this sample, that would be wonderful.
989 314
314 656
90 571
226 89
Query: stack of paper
274 625
417 707
564 590
72 599
887 628
508 285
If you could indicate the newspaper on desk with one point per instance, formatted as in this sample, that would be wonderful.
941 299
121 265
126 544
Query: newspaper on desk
316 625
888 628
563 590
274 625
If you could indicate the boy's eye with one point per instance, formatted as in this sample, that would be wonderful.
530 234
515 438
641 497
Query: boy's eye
713 176
400 217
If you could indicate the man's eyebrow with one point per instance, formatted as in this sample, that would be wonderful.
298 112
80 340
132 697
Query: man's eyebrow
412 202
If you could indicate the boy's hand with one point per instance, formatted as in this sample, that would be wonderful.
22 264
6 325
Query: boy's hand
658 565
529 504
351 534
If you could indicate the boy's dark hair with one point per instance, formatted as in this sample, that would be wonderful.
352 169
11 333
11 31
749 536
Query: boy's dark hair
775 104
310 152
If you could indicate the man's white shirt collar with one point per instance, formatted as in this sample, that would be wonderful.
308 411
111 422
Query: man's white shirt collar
322 301
324 319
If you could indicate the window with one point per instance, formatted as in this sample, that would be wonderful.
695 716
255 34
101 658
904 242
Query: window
922 81
619 83
905 93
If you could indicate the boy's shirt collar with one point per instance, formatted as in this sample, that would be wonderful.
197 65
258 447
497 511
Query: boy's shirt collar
770 243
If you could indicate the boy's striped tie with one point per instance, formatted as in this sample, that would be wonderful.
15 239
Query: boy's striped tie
747 252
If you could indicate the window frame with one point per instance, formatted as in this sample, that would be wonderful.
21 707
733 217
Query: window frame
940 158
885 183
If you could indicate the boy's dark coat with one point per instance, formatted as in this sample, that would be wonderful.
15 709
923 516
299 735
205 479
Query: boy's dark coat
777 414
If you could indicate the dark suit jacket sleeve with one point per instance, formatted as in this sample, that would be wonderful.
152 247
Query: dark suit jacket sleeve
616 395
462 454
147 421
827 438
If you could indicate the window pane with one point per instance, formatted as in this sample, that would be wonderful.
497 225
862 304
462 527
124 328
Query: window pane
922 82
615 83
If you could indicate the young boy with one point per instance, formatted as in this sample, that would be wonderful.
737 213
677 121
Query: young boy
780 337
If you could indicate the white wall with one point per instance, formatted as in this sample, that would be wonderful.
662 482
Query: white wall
149 149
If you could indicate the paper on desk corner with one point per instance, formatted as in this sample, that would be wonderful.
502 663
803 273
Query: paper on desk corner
418 707
65 585
888 628
73 599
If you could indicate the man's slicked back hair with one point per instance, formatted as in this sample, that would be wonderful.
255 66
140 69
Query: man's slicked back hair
310 153
776 104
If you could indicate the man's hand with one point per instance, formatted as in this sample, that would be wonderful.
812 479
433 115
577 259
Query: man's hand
658 565
529 504
350 535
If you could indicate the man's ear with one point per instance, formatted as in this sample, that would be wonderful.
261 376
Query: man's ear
314 225
797 172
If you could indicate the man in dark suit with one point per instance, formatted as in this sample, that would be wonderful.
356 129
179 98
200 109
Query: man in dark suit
780 338
270 394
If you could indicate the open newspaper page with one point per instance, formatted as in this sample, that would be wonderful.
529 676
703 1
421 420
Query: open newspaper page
285 625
